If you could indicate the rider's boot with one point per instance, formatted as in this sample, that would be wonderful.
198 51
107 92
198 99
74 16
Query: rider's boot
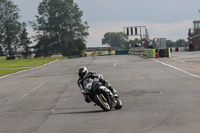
107 84
87 99
113 91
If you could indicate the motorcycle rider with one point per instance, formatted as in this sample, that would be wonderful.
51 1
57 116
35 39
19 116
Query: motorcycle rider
84 75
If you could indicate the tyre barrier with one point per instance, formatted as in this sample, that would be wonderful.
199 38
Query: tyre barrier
152 53
164 52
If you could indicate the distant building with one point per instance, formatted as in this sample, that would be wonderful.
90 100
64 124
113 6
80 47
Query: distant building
194 35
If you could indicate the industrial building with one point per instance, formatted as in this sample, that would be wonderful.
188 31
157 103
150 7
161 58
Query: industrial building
194 35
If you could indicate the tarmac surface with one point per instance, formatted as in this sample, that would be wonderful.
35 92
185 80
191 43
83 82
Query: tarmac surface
157 97
187 61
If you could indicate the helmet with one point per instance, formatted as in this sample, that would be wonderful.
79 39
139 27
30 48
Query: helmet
82 72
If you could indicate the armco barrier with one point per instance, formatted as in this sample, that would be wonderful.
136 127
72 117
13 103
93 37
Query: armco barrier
137 50
150 53
121 51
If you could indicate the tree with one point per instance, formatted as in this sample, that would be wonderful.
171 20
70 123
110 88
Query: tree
9 25
178 43
115 39
59 28
24 41
134 42
44 47
170 43
1 51
181 43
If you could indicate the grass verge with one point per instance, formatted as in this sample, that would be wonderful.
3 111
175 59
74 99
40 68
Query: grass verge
26 62
12 66
9 71
2 58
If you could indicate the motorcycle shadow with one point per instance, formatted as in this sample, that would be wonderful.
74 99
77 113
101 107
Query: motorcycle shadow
81 112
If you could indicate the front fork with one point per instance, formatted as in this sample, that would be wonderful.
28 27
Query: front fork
112 101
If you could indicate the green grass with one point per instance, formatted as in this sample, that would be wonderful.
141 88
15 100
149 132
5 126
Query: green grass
2 58
9 71
12 66
25 62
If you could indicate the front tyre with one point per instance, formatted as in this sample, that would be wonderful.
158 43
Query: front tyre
119 104
102 101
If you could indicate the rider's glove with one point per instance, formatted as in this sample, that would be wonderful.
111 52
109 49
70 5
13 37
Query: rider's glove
100 76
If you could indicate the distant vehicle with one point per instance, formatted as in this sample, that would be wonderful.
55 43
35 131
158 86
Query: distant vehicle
138 44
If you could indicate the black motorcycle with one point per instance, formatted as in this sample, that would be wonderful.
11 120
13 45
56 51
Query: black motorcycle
101 95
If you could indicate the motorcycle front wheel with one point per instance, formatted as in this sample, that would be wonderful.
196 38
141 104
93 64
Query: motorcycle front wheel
102 101
119 104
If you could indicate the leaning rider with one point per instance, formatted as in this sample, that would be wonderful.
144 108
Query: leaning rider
84 74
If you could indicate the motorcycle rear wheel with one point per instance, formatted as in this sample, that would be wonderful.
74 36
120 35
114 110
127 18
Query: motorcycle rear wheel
102 101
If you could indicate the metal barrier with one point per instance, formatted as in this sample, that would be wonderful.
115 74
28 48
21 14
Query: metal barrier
137 50
121 51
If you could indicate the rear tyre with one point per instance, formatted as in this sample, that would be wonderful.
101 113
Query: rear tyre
102 101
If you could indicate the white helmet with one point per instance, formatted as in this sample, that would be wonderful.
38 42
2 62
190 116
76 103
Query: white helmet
83 71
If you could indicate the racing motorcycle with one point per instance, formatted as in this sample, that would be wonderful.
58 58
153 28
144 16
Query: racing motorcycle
101 95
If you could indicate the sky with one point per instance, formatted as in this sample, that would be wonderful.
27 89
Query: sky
168 19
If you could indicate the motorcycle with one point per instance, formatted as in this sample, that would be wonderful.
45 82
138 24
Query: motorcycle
101 95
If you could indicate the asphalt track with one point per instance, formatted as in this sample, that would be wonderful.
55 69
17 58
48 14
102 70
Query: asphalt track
156 98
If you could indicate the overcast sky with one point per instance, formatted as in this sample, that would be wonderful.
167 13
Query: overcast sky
170 19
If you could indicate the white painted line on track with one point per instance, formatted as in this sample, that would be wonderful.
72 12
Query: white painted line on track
37 88
64 99
34 89
12 74
26 70
115 64
176 68
55 77
24 95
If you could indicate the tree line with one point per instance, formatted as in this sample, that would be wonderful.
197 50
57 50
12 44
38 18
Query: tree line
121 40
58 26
